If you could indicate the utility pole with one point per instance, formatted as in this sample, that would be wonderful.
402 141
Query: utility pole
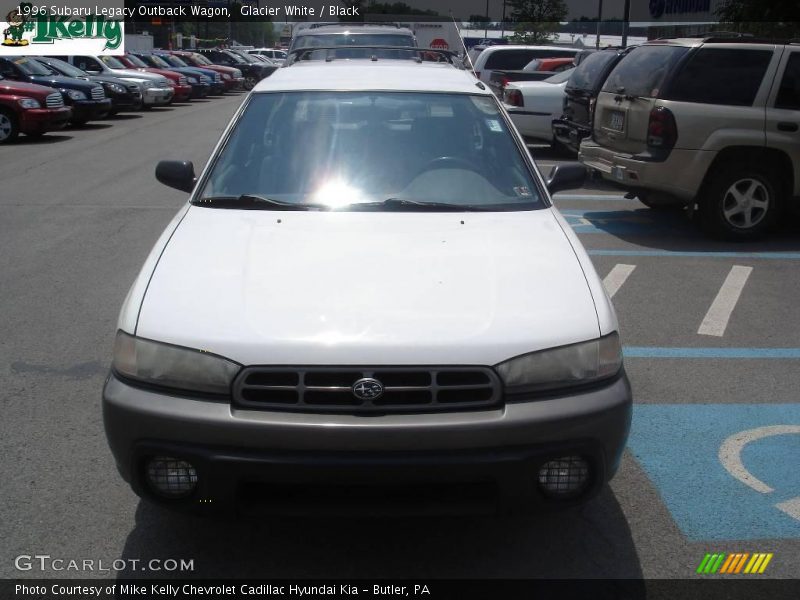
503 21
486 23
626 23
599 21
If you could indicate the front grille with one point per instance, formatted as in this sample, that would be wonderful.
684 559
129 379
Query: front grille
98 93
217 77
162 84
330 389
182 80
54 100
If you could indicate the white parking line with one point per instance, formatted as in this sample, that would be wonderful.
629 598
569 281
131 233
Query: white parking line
716 319
616 278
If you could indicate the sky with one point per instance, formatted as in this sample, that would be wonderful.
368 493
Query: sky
463 8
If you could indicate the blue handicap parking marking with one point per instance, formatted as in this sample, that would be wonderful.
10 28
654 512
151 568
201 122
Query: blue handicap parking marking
611 221
724 471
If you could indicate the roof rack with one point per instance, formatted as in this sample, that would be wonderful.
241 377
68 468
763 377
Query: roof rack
301 53
354 24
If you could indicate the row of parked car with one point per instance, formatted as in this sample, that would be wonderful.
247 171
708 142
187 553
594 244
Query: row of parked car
45 93
710 124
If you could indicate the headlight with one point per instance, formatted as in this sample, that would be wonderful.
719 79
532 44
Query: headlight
172 366
76 95
226 76
29 103
192 80
237 73
563 366
116 88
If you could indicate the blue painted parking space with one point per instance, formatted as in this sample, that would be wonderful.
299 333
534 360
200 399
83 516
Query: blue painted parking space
621 222
724 471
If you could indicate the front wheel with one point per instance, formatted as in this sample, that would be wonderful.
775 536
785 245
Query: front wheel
250 83
740 203
9 129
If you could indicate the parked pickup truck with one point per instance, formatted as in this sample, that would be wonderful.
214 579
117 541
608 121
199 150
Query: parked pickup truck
30 109
536 70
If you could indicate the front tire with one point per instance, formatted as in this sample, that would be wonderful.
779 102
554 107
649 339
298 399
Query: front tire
9 128
740 202
250 83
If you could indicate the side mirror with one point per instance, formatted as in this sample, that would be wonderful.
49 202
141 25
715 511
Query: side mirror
568 176
178 174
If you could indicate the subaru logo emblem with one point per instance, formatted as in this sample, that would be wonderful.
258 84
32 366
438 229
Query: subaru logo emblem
367 389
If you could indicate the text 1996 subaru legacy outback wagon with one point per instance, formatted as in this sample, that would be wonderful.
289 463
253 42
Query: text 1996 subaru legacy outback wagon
368 303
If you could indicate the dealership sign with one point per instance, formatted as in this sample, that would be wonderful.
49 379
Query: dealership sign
675 10
30 30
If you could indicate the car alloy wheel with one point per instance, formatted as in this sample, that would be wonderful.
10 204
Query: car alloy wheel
250 83
746 203
7 128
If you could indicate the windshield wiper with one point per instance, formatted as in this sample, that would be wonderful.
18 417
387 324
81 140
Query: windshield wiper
254 202
418 206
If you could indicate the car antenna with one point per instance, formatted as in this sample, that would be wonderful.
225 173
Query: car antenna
463 44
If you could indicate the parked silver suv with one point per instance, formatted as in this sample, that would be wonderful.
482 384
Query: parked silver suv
711 123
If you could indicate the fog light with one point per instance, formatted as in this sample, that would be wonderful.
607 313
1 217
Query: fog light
171 477
564 476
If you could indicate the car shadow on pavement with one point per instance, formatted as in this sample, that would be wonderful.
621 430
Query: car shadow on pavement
123 117
49 138
593 541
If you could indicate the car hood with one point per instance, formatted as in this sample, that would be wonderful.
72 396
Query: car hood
64 82
135 74
20 88
267 287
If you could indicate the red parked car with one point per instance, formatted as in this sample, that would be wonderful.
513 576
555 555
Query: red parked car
232 77
30 109
180 84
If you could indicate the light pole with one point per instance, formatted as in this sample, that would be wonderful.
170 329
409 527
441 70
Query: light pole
503 21
486 23
626 21
599 20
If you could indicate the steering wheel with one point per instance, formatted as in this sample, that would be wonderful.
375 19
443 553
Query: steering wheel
442 162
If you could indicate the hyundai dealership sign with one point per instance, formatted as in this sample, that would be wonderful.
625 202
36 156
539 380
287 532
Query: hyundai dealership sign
675 10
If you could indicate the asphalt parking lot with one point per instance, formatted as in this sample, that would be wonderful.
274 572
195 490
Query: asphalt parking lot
712 344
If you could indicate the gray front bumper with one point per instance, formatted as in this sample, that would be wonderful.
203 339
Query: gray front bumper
237 445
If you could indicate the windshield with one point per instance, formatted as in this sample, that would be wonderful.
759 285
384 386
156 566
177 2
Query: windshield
158 61
345 149
31 67
200 59
560 77
245 57
112 62
642 72
236 58
63 68
588 73
136 61
174 60
353 39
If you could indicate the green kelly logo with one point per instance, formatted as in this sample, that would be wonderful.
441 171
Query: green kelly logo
47 29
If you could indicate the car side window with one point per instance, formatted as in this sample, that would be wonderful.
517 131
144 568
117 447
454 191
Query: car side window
87 63
509 60
721 76
789 93
6 69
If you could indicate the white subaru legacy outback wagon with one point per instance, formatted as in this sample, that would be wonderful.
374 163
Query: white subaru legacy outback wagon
368 303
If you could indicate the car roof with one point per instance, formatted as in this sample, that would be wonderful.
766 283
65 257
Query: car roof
498 47
366 74
335 29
